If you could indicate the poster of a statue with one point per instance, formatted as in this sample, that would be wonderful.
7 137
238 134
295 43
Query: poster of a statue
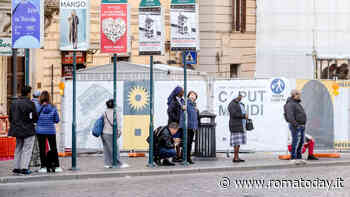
74 25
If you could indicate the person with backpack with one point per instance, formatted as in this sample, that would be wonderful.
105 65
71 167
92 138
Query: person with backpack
46 130
176 108
22 118
107 135
164 144
295 115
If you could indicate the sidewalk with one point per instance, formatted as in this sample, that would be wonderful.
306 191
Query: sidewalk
91 166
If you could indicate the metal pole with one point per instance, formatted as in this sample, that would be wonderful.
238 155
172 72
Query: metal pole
27 67
74 143
185 113
115 145
151 112
52 84
14 74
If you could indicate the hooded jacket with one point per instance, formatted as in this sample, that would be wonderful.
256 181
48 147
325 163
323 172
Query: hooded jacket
295 113
22 117
47 120
174 107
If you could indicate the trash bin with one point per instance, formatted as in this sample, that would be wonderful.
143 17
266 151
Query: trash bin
205 143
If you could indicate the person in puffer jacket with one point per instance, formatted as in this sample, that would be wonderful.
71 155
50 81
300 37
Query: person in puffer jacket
46 130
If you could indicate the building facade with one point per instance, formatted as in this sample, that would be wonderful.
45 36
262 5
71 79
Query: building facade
227 45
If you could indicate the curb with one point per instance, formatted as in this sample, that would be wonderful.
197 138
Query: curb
158 172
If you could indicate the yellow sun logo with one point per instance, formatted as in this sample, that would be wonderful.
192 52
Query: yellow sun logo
138 98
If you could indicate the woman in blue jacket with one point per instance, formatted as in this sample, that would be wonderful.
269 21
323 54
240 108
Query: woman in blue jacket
46 130
192 122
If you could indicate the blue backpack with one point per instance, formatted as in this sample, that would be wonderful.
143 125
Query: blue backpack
98 127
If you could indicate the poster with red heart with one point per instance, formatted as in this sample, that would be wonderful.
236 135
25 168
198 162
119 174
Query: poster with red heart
114 26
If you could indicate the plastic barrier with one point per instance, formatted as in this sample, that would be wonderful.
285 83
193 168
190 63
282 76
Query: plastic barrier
318 155
7 148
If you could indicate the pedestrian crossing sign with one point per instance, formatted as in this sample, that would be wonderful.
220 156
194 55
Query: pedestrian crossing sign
190 57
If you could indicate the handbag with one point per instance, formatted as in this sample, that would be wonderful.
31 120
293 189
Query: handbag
98 127
249 125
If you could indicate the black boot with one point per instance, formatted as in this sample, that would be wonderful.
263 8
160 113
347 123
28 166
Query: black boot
158 161
177 159
166 162
16 171
189 160
312 157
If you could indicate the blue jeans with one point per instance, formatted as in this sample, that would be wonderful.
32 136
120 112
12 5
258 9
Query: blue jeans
298 135
166 153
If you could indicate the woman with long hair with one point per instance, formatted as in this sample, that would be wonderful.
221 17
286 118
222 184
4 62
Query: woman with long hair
46 130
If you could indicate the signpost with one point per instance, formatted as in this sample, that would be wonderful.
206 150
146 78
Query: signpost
151 42
114 28
184 37
191 57
74 36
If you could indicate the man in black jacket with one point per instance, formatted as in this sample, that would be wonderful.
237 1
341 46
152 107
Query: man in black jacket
166 145
22 117
296 117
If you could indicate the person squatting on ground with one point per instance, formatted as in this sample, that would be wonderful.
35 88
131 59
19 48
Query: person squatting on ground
164 144
46 130
22 117
296 117
192 122
107 136
176 108
237 124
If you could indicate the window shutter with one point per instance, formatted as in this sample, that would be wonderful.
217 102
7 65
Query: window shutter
244 16
238 14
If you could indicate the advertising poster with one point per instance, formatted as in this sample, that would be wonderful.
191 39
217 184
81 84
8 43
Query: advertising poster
184 26
264 101
27 20
151 29
114 26
74 25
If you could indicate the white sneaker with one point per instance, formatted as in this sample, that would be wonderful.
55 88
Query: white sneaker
107 166
124 165
58 169
42 170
